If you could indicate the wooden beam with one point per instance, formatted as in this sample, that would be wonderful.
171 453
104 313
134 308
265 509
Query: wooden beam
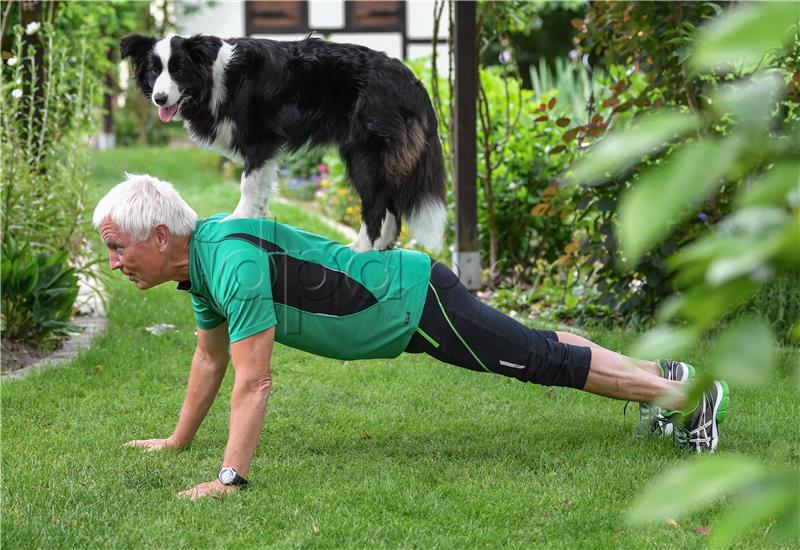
466 257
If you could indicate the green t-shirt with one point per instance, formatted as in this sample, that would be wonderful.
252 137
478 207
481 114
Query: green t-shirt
323 297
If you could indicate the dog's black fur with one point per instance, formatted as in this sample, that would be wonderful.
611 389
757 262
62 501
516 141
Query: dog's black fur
284 95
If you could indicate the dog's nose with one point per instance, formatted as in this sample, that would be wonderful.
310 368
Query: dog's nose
160 99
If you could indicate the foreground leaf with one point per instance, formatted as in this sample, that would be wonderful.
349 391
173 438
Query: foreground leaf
693 486
629 145
745 353
742 37
664 341
774 498
669 193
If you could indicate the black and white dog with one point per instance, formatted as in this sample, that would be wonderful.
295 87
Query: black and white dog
252 99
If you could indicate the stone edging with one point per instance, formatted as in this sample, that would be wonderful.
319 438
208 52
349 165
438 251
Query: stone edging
92 326
90 316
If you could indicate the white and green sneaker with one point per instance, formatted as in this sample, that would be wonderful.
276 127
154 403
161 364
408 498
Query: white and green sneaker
699 432
651 419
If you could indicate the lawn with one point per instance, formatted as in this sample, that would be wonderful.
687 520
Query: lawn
362 454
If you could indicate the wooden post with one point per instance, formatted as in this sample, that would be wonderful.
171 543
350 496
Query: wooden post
466 256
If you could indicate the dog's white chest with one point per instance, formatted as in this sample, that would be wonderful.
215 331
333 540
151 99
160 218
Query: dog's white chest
223 141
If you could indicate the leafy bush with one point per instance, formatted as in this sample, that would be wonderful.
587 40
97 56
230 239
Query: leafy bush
756 242
38 293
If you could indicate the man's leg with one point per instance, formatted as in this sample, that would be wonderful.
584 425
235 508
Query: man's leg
458 329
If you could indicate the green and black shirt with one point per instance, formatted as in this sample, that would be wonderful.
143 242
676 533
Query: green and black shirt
323 297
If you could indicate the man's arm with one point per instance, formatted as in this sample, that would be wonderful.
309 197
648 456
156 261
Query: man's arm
208 369
251 389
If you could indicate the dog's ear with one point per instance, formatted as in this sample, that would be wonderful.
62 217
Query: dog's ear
202 49
136 47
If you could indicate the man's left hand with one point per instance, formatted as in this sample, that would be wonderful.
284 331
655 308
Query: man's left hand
209 488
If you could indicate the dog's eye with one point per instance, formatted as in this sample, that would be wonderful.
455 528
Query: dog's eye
178 72
155 70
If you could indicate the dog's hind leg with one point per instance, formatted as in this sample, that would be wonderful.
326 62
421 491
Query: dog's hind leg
257 186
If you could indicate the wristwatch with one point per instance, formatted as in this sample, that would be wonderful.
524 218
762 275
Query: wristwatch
228 476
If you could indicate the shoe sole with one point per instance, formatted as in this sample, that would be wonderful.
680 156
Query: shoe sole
721 404
666 429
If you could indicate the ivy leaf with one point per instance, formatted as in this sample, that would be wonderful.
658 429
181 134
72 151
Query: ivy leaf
668 193
744 36
621 149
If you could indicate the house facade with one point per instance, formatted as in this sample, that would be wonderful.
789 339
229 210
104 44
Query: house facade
401 28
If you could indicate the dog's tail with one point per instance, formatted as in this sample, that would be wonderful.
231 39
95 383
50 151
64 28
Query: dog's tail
426 207
427 222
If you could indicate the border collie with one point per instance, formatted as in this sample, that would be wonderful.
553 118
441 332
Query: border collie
251 99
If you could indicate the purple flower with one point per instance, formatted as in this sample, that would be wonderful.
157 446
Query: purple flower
505 56
573 54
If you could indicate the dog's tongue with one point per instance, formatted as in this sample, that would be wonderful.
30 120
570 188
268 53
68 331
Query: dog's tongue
166 113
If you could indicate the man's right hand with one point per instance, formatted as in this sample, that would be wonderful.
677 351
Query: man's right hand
155 444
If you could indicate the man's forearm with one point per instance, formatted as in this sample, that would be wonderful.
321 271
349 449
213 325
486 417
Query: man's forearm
248 407
205 378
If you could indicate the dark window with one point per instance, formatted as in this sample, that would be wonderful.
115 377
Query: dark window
276 17
375 16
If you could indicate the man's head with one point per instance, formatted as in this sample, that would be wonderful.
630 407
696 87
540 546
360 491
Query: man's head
145 224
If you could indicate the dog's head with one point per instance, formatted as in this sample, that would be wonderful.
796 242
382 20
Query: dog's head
173 72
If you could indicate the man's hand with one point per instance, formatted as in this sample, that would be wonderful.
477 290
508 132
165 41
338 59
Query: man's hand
209 488
155 444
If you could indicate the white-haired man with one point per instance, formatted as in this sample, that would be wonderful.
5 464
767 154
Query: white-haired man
254 281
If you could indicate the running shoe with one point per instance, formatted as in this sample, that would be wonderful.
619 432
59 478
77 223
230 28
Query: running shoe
651 419
699 433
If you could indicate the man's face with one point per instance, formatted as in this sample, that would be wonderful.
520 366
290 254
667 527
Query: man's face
141 262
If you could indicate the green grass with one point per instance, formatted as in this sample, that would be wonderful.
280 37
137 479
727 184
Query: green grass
363 454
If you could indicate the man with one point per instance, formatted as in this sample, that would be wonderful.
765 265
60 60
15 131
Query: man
254 281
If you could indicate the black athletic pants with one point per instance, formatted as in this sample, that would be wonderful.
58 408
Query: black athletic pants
459 329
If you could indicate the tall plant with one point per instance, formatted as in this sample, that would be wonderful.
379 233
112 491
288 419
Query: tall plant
46 111
756 242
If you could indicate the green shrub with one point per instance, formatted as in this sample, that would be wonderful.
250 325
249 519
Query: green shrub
38 293
776 302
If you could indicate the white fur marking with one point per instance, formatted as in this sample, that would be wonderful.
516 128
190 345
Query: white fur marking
427 224
256 189
361 244
219 92
388 233
164 83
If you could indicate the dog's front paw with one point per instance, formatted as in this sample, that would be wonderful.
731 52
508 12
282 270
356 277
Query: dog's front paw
240 213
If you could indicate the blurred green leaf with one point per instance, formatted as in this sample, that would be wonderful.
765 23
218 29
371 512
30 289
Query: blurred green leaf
745 353
773 187
668 193
751 101
742 37
664 341
770 499
627 146
692 486
761 230
703 305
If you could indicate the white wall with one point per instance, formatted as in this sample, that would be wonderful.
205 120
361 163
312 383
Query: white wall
226 19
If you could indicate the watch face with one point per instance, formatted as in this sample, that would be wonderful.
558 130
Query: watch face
227 475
